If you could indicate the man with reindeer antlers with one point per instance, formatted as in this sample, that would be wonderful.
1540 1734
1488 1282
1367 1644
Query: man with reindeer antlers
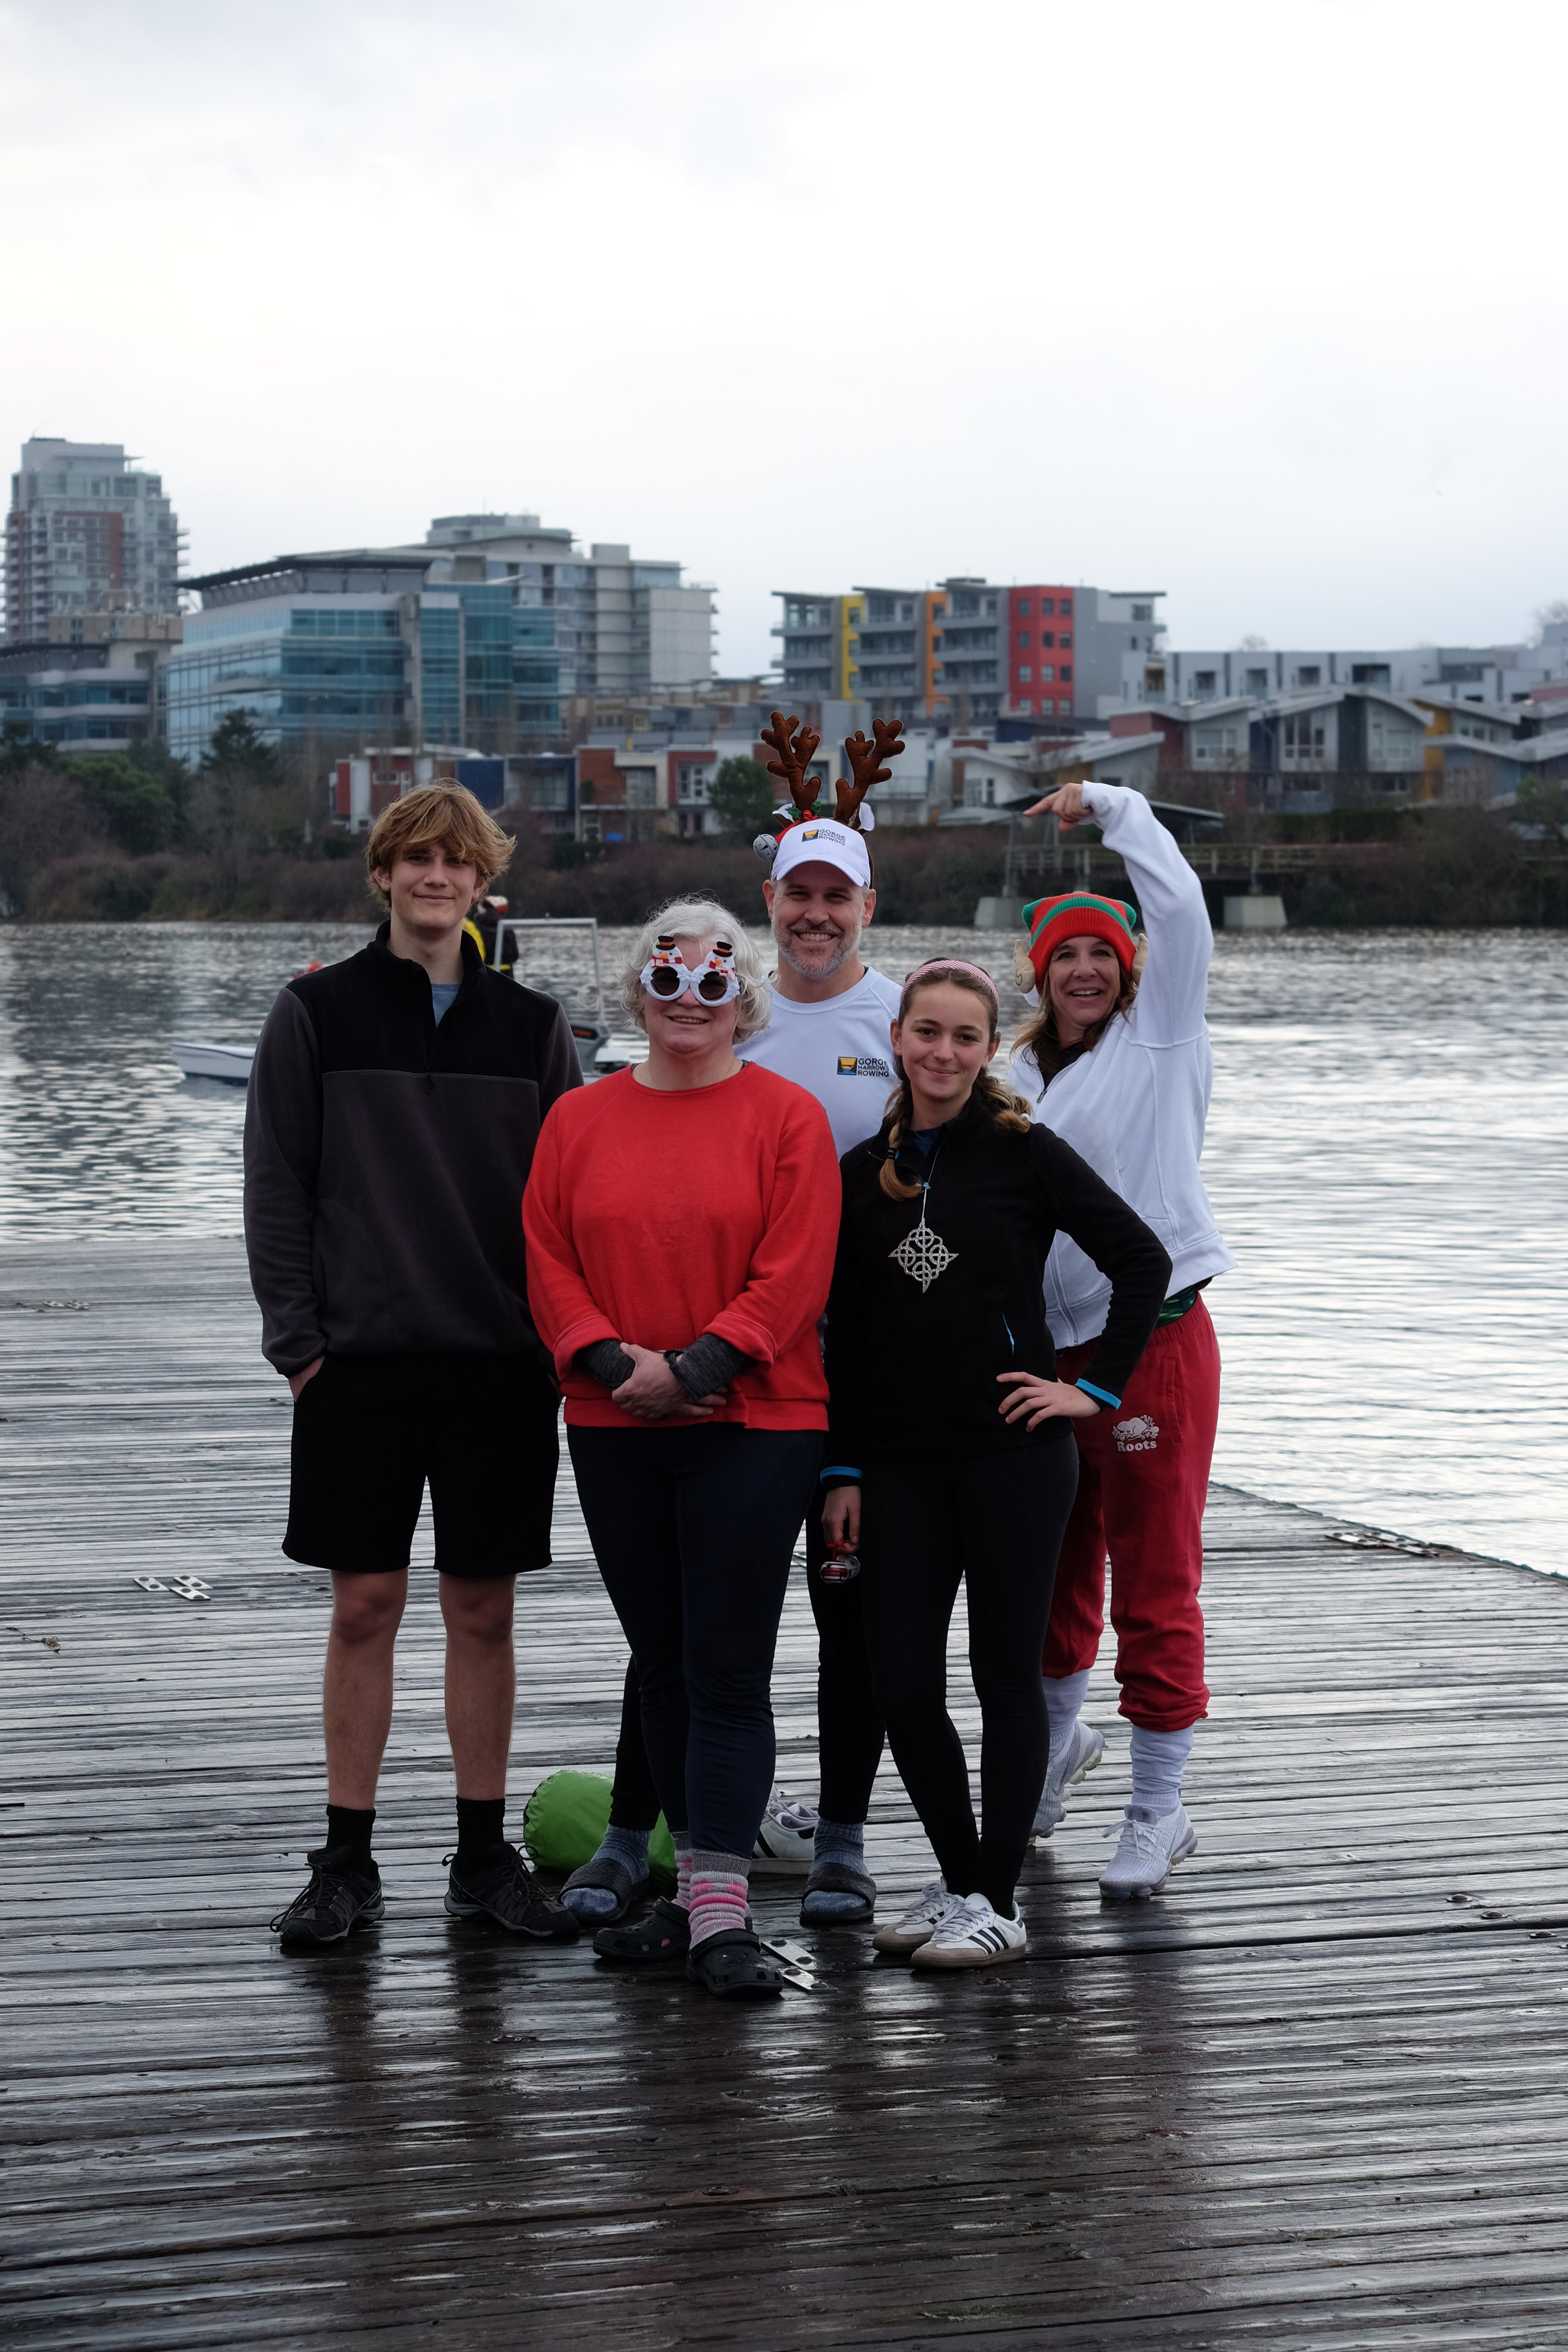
829 1033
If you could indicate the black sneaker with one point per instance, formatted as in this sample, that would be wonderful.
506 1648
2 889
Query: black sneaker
502 1889
344 1894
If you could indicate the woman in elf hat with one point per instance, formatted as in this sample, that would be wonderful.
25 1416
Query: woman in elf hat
950 1454
1116 1062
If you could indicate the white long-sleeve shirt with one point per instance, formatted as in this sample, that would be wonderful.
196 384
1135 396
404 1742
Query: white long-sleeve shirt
1135 1107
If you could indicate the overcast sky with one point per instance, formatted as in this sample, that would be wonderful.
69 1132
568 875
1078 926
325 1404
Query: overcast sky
1259 305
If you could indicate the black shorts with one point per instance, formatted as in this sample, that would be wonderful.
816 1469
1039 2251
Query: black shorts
370 1430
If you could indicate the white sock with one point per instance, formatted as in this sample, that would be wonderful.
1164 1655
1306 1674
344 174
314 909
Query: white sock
1065 1695
1158 1757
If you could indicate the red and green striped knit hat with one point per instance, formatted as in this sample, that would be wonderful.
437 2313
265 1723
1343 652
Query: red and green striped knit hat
1050 921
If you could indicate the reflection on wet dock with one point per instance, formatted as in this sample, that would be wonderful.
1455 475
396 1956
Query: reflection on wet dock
1314 2095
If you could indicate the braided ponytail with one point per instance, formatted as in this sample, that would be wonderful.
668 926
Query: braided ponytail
902 1103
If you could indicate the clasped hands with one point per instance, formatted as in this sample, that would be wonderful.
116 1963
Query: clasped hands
653 1392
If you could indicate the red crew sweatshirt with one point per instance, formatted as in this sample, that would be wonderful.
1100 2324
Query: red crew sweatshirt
655 1216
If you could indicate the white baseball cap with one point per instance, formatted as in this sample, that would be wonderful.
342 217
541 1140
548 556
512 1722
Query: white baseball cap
823 839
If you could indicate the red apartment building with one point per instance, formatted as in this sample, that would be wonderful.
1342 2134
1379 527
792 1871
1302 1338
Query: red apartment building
1038 666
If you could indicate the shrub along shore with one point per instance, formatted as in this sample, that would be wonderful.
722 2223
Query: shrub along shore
139 839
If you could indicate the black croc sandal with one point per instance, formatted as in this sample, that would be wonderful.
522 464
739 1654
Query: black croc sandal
735 1967
839 1878
662 1934
615 1879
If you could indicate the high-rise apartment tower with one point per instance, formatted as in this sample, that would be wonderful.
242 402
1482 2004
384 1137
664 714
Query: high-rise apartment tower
86 533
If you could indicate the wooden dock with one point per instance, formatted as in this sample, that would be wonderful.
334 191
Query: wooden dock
1312 2096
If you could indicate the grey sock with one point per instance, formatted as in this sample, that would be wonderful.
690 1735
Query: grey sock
843 1842
629 1848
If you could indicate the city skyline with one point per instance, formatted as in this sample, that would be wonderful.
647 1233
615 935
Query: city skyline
1206 299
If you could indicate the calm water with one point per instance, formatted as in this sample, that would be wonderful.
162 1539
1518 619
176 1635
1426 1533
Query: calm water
1388 1155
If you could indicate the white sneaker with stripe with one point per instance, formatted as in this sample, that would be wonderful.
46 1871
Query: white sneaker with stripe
971 1935
784 1840
919 1922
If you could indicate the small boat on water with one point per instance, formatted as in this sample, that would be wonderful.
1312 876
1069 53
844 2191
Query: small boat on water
200 1059
599 1050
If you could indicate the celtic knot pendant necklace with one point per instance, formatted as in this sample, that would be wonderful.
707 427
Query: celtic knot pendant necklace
922 1254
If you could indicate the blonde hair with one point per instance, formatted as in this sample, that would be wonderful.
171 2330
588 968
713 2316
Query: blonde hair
444 813
1000 1104
701 918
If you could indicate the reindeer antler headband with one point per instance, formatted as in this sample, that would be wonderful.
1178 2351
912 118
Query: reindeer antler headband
796 746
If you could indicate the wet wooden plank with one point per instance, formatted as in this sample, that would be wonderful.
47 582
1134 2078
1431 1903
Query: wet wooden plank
1314 2095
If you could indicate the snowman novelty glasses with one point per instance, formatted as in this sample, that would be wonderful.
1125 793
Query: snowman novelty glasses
715 982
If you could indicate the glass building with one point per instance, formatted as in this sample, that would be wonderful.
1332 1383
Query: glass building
360 647
74 699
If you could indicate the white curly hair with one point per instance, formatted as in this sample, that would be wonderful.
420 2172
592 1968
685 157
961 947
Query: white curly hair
701 918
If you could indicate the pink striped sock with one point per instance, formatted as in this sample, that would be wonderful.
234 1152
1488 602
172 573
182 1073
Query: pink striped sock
683 1876
718 1895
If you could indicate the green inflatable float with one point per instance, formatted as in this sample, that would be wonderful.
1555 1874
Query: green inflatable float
567 1816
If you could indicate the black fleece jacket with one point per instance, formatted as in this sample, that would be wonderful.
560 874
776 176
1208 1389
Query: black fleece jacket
385 1156
912 1370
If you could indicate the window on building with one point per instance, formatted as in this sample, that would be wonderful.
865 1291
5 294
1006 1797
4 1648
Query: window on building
1047 606
1065 639
1064 608
1142 611
1026 674
1065 673
1048 672
1023 610
1310 675
1303 735
1047 638
1202 681
1257 681
1025 641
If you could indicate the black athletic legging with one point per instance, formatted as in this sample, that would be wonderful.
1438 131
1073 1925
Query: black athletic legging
849 1723
692 1530
995 1520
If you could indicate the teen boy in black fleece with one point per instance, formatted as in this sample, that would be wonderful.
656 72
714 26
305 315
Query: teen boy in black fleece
949 1450
394 1105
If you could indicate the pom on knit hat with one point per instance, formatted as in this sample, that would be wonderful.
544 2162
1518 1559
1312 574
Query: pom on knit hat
1050 921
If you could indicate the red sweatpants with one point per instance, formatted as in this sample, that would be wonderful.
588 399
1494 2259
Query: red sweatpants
1144 1475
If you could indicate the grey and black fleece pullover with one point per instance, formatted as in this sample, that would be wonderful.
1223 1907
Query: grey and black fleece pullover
385 1156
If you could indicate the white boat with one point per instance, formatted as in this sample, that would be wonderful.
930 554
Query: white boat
199 1059
598 1050
582 1003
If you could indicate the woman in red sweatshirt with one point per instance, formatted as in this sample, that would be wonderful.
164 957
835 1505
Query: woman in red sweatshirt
680 1238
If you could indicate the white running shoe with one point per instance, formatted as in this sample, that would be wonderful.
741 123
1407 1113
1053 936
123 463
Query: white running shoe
1146 1852
1079 1753
784 1840
971 1935
919 1922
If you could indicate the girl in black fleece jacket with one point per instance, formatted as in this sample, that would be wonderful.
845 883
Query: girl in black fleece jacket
949 1452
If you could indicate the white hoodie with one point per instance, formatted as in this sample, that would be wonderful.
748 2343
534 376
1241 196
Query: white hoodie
1135 1106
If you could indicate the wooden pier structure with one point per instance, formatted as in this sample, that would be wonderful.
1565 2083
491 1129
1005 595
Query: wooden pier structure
1312 2096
